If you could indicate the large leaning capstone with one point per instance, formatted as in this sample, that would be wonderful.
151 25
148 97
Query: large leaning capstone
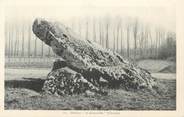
86 66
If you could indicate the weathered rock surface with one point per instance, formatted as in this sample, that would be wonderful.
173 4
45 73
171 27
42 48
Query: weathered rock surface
66 81
94 64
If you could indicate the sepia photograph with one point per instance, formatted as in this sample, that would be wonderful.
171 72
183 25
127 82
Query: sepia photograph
89 56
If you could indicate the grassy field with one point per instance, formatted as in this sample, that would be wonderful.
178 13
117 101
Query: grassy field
155 66
23 91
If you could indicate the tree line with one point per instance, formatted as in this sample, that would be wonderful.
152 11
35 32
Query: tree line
130 37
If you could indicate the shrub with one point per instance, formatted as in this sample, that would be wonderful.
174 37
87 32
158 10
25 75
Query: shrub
168 49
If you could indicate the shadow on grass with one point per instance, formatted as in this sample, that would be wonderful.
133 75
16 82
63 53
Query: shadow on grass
28 83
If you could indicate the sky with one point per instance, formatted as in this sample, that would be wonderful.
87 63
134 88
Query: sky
156 13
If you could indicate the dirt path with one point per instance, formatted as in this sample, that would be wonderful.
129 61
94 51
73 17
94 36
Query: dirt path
15 74
18 74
